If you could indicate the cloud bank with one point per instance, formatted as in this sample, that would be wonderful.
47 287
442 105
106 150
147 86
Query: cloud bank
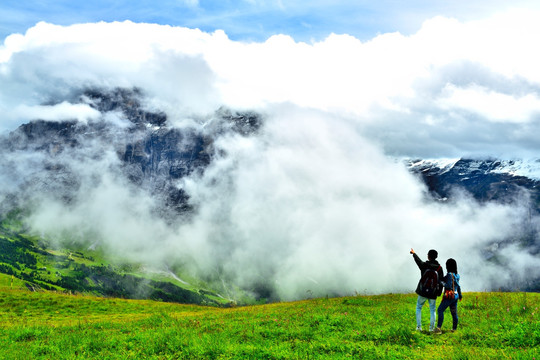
312 204
454 88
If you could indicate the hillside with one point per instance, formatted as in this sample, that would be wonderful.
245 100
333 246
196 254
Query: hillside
41 265
44 325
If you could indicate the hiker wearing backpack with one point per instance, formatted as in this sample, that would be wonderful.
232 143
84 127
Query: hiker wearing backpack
452 293
429 286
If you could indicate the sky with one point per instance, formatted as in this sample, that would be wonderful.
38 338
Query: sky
316 200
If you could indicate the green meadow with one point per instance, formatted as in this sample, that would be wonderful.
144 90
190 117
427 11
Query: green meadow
49 325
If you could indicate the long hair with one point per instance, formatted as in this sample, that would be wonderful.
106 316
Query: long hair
451 266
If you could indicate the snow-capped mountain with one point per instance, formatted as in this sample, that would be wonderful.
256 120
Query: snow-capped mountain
484 179
529 168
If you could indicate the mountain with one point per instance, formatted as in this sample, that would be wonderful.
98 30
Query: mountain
148 152
484 179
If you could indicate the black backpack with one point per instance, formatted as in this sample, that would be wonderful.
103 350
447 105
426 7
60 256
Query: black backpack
429 283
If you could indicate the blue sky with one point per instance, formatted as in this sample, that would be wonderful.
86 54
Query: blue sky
253 20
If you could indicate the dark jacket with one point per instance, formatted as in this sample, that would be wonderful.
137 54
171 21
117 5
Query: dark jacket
425 265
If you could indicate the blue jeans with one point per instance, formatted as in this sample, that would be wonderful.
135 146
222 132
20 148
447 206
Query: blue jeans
453 310
420 302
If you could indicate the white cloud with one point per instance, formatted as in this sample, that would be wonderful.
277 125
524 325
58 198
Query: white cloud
58 112
190 3
49 61
341 73
491 105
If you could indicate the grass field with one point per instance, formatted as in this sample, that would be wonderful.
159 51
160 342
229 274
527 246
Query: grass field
46 325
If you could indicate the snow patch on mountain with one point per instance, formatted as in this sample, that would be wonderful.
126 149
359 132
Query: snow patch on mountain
444 164
525 167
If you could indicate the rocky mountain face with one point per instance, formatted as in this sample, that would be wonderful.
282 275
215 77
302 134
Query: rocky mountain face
148 152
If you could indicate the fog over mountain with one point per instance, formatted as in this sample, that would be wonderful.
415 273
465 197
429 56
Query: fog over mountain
286 179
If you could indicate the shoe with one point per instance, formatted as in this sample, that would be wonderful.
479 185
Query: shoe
453 330
418 328
437 331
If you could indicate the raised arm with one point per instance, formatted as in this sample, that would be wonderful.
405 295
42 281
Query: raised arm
417 259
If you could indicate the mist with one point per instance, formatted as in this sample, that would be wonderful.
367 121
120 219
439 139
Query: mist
316 202
305 207
314 208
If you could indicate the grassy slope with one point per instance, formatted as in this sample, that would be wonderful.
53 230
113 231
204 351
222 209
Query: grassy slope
57 326
79 269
